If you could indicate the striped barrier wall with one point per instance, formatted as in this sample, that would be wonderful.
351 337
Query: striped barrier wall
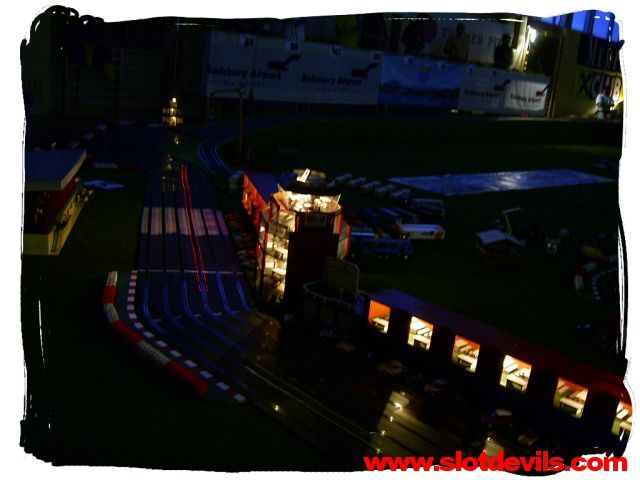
109 293
154 349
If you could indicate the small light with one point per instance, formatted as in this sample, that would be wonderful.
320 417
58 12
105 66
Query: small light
391 418
277 408
173 100
398 406
383 432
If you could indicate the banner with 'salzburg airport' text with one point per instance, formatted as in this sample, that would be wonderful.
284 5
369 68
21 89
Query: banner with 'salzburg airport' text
501 91
281 70
415 81
277 69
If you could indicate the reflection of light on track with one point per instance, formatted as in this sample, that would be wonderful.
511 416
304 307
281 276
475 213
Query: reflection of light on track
193 250
193 227
144 225
210 222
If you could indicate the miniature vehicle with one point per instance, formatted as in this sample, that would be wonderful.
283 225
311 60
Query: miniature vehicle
552 245
408 216
428 215
392 216
499 417
528 438
429 207
370 217
439 386
329 333
346 347
242 237
343 178
356 182
491 447
361 231
369 187
382 247
446 391
420 231
592 252
392 368
244 245
401 194
429 203
383 191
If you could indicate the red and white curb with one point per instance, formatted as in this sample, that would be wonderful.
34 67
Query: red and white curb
155 349
87 137
99 130
590 267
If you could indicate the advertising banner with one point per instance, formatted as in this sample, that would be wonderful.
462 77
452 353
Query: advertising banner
590 82
501 91
414 81
280 70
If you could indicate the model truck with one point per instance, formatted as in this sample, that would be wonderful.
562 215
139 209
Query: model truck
420 231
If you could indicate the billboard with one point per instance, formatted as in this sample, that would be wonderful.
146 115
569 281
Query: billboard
502 91
277 69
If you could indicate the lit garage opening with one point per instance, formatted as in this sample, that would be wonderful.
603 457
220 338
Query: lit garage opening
379 316
420 333
515 374
570 397
465 353
623 421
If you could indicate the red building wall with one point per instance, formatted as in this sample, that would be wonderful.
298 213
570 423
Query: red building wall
41 208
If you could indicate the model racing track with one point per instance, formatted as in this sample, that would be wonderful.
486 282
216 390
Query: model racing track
192 295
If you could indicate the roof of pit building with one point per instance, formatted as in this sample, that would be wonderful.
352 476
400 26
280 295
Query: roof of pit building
47 170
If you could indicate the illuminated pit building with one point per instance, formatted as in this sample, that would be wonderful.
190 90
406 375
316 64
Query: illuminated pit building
172 115
497 363
298 226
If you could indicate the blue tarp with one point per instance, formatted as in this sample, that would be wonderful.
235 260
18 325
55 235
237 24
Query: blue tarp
473 183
